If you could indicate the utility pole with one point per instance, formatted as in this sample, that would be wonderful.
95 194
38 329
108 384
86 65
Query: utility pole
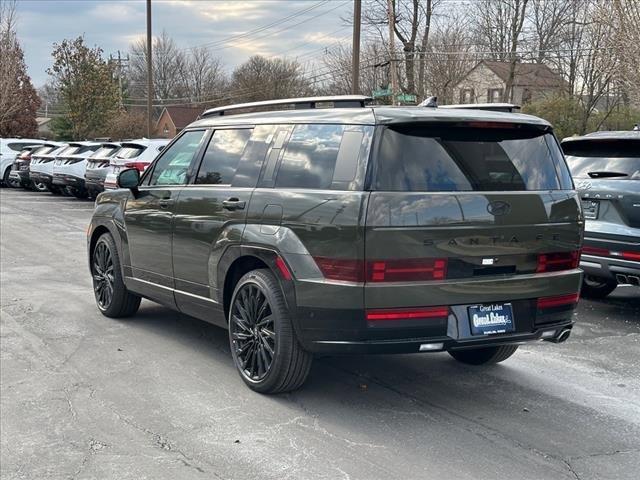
120 61
149 74
392 51
355 72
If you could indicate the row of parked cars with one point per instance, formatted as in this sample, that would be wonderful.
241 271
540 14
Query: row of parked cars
82 169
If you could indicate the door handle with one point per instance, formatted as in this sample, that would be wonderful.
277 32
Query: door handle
165 202
233 204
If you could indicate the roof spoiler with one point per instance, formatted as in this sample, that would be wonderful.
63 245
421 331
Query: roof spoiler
495 107
339 101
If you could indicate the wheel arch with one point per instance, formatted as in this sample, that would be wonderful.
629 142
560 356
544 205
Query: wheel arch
237 261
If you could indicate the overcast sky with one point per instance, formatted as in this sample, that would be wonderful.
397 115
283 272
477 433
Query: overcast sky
297 28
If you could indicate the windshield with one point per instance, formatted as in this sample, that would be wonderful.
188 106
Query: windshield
448 159
604 158
130 151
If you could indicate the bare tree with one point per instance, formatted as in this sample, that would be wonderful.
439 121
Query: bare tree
499 28
261 78
202 75
374 68
449 57
626 45
547 19
168 61
411 25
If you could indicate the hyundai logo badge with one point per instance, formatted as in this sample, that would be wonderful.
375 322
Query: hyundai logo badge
498 208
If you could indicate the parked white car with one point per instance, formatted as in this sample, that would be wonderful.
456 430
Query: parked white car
134 154
9 148
98 166
69 168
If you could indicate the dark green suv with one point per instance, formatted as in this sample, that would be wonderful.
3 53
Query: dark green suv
348 229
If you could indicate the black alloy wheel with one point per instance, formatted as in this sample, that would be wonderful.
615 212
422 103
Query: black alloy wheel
112 296
264 346
39 186
252 332
103 275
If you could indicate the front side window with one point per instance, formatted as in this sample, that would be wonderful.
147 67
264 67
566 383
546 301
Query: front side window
222 156
422 159
310 157
172 167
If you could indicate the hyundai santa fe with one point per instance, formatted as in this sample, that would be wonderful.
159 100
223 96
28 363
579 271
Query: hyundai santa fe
348 229
606 168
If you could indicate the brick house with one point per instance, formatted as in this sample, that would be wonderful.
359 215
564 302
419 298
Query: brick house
486 83
173 119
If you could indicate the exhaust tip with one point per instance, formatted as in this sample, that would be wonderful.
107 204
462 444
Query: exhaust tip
622 279
564 335
633 280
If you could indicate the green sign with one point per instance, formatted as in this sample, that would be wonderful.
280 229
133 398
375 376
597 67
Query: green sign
406 98
383 92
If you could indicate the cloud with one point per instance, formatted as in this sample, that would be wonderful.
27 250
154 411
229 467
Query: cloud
117 12
226 10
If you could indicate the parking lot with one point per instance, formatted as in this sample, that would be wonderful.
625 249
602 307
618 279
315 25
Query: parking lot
157 396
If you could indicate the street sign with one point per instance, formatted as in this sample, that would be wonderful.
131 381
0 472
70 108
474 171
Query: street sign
383 92
406 98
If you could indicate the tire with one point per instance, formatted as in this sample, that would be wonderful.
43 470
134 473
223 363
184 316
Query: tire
5 177
260 329
112 297
54 189
80 194
484 356
597 287
38 187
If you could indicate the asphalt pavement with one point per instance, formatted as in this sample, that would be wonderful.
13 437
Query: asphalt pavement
156 396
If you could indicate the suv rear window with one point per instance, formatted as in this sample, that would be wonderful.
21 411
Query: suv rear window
448 159
603 158
130 152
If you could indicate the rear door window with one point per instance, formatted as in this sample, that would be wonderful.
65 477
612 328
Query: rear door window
323 156
427 159
604 158
222 156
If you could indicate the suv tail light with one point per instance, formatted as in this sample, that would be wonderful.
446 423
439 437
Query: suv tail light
558 301
553 262
401 270
603 252
407 313
406 270
341 269
140 166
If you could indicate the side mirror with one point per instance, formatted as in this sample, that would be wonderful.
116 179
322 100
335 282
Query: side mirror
129 178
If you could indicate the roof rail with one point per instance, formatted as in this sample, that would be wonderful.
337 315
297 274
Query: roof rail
496 107
339 101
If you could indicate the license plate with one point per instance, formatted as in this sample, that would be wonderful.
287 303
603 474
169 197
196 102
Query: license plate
590 209
490 319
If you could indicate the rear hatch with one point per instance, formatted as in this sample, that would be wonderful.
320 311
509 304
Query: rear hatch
101 158
466 213
607 176
129 156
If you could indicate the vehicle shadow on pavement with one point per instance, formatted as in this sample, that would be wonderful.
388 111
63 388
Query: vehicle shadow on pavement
518 403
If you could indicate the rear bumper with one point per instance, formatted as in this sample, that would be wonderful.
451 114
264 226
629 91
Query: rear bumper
94 179
40 177
343 327
611 267
64 180
436 344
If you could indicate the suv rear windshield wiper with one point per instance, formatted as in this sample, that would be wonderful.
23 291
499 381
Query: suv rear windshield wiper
605 174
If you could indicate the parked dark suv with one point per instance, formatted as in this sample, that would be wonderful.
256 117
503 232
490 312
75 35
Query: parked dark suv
606 168
350 229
